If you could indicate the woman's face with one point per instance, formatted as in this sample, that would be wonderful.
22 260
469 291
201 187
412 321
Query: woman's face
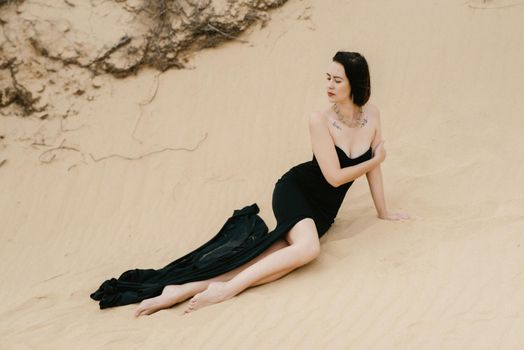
337 86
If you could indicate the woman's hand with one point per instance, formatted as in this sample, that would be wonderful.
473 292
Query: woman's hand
395 216
380 152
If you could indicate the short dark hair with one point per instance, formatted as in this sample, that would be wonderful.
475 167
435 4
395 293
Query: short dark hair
357 72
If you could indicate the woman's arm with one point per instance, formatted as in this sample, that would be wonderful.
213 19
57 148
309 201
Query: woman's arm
377 192
376 187
374 177
353 172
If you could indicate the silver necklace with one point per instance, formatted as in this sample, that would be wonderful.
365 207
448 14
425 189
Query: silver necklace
360 121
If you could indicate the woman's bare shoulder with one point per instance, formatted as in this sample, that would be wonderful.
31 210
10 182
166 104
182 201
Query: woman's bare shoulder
373 111
319 115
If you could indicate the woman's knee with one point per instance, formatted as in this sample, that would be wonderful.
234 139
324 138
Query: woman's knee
304 237
309 247
309 251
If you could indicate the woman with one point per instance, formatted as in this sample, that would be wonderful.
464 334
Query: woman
346 143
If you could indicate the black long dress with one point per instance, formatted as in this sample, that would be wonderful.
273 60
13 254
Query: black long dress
302 192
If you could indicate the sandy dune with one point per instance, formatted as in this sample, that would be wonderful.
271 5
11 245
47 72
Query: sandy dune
448 79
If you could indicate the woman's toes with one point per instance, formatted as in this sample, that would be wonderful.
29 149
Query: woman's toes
188 310
139 311
192 304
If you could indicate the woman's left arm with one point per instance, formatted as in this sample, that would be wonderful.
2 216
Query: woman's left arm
377 191
374 178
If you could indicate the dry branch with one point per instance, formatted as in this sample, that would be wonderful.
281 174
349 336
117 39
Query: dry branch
147 154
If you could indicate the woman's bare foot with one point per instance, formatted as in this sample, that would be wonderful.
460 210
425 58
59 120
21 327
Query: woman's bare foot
170 296
216 292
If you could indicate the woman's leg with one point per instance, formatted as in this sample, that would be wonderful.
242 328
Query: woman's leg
304 247
174 294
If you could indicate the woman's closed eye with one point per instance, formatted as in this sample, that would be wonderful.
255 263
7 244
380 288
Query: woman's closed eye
336 81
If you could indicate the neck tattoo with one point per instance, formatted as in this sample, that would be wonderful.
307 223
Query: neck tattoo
359 121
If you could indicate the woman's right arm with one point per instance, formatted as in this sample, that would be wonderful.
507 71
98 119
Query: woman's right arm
351 173
327 158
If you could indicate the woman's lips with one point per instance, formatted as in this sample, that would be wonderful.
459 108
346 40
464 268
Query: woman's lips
330 93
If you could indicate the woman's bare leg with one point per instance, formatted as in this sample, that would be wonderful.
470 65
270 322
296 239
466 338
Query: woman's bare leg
304 247
174 294
171 295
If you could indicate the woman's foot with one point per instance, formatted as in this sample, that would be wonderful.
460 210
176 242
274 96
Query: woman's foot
170 296
216 292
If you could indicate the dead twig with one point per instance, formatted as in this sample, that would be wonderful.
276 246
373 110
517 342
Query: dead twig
62 129
143 103
72 166
40 144
147 154
123 41
60 147
227 35
157 82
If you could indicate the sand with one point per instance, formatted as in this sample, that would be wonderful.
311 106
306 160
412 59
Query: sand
448 79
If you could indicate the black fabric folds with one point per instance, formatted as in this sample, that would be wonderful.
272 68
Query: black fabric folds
241 238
